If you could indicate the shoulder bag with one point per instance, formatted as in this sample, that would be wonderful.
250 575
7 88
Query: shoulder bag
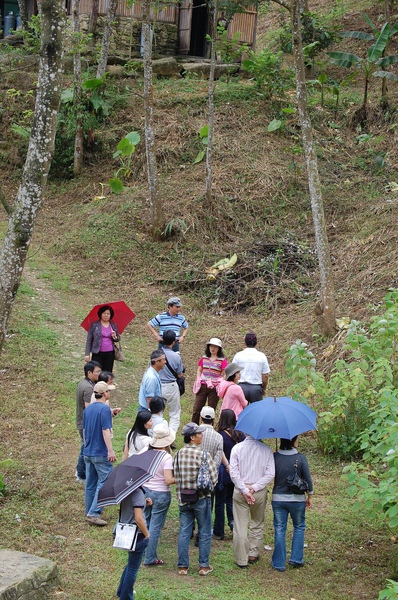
295 483
180 380
117 346
188 496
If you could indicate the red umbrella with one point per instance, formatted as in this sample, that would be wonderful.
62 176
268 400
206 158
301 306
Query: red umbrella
122 317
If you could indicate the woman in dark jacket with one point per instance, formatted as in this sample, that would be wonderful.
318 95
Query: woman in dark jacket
101 337
285 503
225 488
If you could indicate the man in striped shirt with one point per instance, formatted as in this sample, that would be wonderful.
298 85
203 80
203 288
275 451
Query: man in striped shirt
252 468
170 319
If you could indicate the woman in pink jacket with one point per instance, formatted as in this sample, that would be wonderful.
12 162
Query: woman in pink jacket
230 392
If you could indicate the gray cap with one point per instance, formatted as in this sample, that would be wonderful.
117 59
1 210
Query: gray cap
192 428
232 369
174 301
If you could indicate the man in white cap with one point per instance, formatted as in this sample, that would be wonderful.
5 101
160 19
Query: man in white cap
212 441
98 452
171 319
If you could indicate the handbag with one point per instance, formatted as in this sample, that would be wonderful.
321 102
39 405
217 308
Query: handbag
118 351
204 482
181 385
125 536
189 496
295 483
180 380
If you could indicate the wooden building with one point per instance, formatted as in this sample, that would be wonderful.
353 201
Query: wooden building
191 18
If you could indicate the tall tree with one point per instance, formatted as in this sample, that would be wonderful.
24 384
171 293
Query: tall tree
92 22
106 38
214 10
155 202
77 91
326 308
22 214
23 13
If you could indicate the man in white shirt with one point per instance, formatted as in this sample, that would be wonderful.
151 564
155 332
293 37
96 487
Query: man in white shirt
252 468
254 370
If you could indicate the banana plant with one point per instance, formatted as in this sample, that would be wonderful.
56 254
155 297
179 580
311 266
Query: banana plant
375 62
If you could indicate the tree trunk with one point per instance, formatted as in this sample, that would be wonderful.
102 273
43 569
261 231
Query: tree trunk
77 93
326 310
23 13
92 23
155 202
40 151
211 110
106 38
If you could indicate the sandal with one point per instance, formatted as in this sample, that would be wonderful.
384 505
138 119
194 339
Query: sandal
155 563
253 559
183 571
205 571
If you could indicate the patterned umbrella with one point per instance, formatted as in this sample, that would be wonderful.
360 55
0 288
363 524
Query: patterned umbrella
128 476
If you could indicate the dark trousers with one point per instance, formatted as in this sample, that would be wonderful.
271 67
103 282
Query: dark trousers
205 394
253 392
105 359
223 501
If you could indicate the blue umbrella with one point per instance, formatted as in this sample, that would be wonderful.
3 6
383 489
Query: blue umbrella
276 418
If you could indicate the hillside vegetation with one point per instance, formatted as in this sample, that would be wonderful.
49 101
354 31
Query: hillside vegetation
92 246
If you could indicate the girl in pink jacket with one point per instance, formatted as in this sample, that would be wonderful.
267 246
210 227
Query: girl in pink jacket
230 392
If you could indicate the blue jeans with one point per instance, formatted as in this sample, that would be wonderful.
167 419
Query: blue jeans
129 575
223 500
81 465
155 517
97 471
282 510
201 511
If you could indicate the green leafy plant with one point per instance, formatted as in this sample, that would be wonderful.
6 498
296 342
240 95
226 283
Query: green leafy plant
268 73
391 591
375 63
277 124
228 49
124 152
316 36
174 226
358 385
203 133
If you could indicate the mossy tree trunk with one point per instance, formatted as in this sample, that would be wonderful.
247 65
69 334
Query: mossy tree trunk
92 22
106 38
209 148
22 214
78 156
23 13
326 308
155 202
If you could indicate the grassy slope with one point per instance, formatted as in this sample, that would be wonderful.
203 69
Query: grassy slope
87 251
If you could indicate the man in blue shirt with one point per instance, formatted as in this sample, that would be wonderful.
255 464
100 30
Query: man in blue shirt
151 385
172 320
98 452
